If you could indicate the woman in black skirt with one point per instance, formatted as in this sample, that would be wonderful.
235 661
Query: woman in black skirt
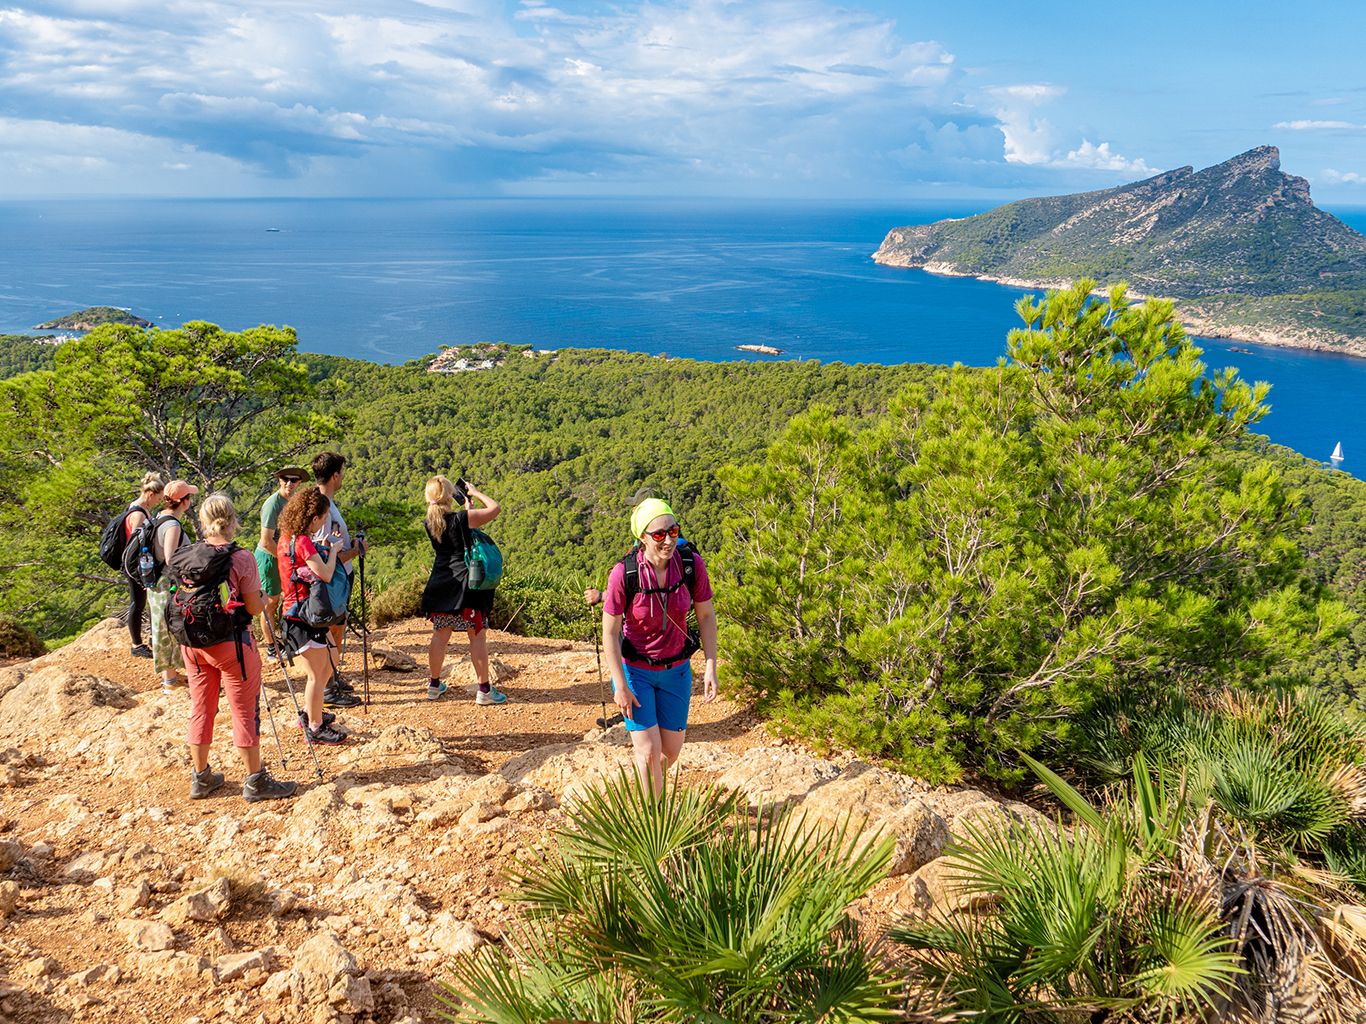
448 601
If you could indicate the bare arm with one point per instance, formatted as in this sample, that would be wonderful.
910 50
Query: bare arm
268 539
254 602
706 627
170 542
481 516
323 570
622 696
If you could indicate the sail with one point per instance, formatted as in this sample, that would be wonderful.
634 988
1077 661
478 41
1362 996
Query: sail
1337 453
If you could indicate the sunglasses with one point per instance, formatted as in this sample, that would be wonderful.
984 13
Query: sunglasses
291 479
659 535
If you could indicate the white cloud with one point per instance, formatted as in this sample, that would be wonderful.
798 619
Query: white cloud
1332 177
487 96
1300 126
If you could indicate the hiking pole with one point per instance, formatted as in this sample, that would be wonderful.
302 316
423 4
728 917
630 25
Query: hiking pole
364 625
271 715
280 657
604 722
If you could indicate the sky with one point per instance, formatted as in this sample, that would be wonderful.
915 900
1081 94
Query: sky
888 99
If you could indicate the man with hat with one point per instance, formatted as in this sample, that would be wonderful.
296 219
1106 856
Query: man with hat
266 562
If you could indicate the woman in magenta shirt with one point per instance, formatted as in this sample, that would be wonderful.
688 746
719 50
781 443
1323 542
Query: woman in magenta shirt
652 680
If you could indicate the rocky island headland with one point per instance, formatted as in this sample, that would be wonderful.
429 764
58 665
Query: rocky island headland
1240 246
89 319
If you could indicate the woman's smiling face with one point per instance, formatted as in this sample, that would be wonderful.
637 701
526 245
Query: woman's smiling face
665 525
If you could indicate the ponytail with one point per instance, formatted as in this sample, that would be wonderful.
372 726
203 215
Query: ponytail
440 494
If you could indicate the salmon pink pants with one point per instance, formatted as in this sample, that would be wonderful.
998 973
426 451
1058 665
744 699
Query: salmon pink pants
211 669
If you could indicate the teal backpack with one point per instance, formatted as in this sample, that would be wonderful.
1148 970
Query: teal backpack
483 561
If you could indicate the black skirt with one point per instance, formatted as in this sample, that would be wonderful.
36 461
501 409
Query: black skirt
299 634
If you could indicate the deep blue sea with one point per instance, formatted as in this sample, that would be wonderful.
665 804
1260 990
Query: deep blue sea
388 280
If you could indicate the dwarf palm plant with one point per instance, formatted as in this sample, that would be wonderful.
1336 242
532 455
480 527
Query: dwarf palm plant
1149 908
686 907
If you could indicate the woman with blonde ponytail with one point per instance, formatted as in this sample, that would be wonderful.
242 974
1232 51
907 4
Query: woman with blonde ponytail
448 601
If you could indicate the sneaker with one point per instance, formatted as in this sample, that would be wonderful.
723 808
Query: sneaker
492 697
203 783
302 720
168 686
268 652
337 698
140 651
338 683
262 787
326 735
435 692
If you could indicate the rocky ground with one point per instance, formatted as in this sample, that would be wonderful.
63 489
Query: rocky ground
122 899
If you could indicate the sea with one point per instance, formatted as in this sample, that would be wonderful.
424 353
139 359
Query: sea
391 280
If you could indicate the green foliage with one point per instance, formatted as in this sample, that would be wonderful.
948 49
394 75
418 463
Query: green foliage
681 906
1284 766
198 403
18 641
528 602
1142 908
977 569
21 353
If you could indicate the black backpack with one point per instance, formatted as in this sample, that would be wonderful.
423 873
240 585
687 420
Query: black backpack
112 540
196 614
631 565
144 538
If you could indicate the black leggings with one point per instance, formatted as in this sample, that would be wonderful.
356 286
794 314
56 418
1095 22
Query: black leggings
137 601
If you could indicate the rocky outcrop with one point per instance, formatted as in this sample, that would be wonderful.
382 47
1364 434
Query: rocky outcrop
1241 227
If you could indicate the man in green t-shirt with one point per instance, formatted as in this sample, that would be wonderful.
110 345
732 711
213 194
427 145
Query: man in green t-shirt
266 562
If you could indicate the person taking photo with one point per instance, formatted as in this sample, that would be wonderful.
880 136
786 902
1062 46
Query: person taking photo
448 600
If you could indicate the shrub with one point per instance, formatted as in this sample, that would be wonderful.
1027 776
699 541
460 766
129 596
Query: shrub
18 641
1141 910
683 907
961 580
526 603
400 600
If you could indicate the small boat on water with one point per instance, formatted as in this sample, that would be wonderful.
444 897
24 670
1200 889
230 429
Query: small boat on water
272 229
1337 453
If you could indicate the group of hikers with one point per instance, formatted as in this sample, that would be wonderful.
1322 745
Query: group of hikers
201 599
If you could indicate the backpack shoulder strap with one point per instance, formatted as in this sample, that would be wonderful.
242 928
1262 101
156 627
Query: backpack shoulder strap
630 563
686 553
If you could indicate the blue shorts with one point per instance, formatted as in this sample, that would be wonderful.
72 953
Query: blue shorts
664 695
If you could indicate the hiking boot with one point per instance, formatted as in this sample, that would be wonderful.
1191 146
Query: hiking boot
333 697
338 683
325 735
328 719
203 783
140 651
262 787
268 652
492 697
435 692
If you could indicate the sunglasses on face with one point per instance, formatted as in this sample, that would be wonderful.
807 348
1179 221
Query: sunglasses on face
659 535
291 479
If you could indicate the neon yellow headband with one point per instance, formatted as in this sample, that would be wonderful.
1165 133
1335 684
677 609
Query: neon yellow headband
647 512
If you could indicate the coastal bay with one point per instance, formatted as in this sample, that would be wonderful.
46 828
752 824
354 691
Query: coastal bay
389 281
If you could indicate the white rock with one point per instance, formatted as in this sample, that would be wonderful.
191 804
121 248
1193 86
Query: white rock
152 936
453 936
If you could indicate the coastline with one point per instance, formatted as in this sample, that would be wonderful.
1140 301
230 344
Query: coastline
1279 336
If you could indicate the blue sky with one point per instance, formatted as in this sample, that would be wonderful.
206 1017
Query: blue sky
780 98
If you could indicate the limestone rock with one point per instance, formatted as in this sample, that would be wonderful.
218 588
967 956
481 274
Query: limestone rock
984 817
41 967
933 889
453 936
920 834
567 769
480 812
352 995
10 854
9 777
400 744
442 814
232 966
770 775
532 799
100 974
386 659
152 936
206 905
85 867
499 671
492 788
106 635
282 901
278 987
178 968
320 963
9 898
138 896
313 815
56 703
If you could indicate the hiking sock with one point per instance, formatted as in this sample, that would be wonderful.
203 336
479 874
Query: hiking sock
315 726
435 681
483 687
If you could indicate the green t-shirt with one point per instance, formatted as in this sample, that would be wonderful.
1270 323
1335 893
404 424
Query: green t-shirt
270 515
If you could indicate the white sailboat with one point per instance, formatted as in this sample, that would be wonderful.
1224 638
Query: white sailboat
1337 453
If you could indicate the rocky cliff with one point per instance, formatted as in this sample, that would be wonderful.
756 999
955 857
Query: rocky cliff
1241 227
